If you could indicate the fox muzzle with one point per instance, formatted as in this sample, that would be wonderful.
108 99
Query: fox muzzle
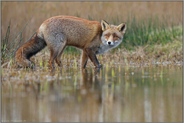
110 42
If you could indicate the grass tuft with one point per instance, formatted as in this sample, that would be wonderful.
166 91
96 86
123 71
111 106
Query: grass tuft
9 47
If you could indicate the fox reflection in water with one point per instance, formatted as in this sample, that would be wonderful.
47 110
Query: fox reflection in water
90 85
86 95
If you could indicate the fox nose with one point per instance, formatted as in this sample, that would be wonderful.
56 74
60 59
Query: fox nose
109 42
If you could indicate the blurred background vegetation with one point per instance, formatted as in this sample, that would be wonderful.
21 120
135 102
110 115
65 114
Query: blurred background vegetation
148 23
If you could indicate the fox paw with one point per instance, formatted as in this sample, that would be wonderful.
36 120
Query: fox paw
99 66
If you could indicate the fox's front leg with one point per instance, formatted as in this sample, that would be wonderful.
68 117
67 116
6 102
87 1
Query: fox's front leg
93 57
84 59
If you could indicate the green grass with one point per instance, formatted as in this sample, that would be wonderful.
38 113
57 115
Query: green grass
5 44
71 50
150 32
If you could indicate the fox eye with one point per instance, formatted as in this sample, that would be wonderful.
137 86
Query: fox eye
116 37
107 35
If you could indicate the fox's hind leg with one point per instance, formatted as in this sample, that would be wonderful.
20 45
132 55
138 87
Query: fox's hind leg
58 61
53 55
56 44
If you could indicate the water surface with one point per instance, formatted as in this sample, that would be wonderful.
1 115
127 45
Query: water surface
115 94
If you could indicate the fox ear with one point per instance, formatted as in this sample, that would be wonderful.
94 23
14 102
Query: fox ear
104 25
122 27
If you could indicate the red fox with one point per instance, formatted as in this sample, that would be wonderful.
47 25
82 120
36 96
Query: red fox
60 31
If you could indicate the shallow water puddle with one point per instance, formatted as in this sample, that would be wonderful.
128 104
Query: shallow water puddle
115 94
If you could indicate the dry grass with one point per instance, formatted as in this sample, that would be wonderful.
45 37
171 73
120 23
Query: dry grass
34 13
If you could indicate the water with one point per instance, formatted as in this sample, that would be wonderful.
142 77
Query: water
115 94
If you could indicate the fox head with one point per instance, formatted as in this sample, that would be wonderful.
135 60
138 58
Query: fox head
112 35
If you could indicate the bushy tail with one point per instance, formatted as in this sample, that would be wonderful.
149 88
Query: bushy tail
28 49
